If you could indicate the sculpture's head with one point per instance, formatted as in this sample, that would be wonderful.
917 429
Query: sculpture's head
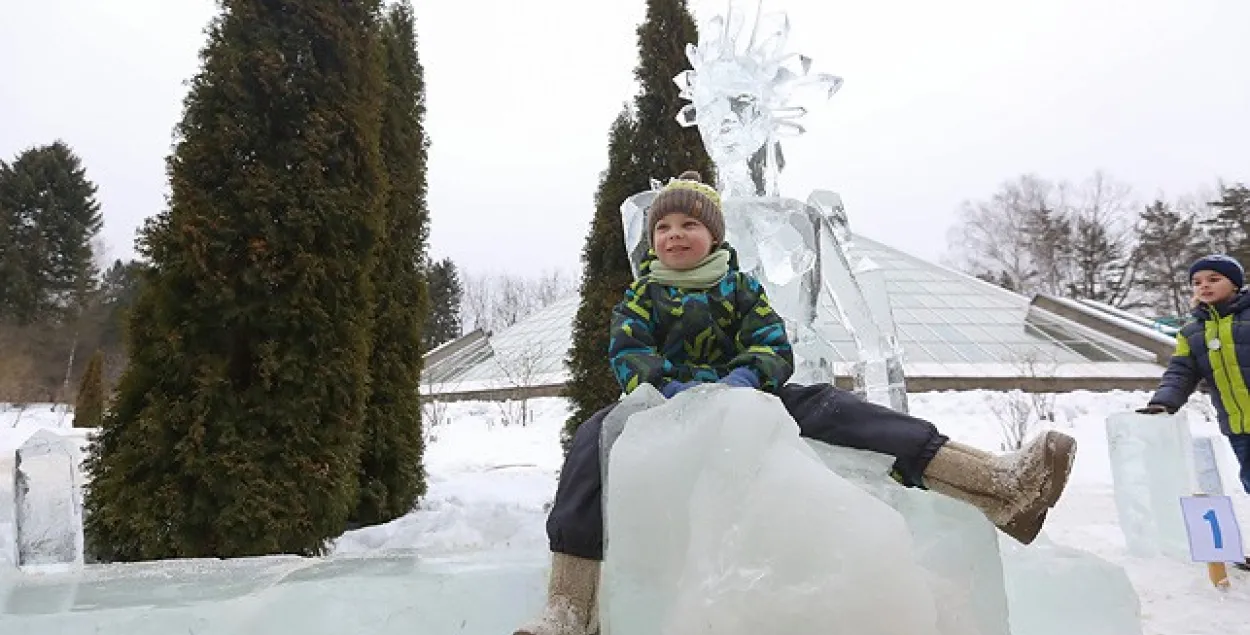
741 96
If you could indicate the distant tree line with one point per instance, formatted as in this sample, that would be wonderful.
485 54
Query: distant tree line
1094 240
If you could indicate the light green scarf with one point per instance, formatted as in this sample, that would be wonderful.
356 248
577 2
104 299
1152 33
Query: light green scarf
705 275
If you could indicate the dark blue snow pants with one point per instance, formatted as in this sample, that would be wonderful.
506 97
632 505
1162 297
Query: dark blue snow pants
1241 448
824 413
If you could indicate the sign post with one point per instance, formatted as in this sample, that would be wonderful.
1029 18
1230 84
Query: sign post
1214 537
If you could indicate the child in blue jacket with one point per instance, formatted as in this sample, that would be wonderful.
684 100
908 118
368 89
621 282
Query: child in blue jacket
1215 346
693 317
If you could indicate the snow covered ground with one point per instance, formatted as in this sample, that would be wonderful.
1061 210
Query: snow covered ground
490 484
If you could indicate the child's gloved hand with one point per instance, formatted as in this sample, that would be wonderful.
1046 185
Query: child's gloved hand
671 389
741 378
1153 409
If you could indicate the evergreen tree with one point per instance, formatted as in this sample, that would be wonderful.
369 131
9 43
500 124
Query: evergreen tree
391 475
89 406
119 285
1167 243
1050 247
1102 270
49 216
236 426
661 148
1228 229
643 144
606 273
446 294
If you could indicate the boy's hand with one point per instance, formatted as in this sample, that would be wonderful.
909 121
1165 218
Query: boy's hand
671 389
741 377
1153 409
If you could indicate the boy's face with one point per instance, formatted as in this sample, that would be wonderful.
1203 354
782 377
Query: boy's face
681 241
1211 287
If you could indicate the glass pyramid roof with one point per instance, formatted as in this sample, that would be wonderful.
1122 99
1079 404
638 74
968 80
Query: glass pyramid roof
949 324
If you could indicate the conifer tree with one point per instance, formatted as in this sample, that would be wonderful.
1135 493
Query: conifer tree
446 293
49 215
1228 228
606 273
662 148
391 475
645 142
236 427
89 406
1167 243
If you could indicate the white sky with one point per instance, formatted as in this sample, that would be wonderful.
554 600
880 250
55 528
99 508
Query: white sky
942 102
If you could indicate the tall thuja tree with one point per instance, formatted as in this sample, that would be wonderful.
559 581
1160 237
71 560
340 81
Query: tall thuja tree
50 216
446 293
661 147
606 273
391 474
644 143
236 426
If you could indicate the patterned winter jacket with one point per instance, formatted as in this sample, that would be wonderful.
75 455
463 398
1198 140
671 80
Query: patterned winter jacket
1215 346
662 333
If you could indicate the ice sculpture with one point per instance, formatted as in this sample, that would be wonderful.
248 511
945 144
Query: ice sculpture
49 522
743 100
1057 589
721 519
1152 467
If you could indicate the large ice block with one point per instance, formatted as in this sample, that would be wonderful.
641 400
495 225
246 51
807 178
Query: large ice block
1152 467
720 519
1054 589
8 510
395 594
48 511
953 541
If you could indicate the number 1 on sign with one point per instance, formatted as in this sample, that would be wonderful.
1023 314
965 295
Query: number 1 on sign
1216 536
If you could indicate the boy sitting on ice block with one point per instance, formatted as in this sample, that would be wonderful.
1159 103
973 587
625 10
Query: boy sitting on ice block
692 317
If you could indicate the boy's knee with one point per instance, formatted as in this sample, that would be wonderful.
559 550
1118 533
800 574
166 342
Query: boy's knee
588 432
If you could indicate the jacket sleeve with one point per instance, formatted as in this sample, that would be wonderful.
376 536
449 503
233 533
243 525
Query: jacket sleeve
1180 378
631 345
762 344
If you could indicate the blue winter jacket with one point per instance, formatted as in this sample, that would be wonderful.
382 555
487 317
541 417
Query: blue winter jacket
1216 347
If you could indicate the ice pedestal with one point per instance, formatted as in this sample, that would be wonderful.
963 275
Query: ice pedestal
48 509
1058 590
480 594
720 519
953 541
1152 467
8 511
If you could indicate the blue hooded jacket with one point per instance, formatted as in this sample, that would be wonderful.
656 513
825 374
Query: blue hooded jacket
1216 347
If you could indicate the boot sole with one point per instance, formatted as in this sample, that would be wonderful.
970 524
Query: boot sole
1059 455
1059 458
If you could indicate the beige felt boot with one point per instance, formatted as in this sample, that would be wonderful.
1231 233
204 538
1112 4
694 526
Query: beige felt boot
1014 491
572 599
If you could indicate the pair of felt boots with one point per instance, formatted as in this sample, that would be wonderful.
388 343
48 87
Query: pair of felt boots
1014 491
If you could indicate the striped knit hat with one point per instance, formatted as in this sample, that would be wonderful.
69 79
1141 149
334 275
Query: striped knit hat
690 195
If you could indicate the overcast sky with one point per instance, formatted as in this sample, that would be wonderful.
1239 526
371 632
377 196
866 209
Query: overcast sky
942 102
